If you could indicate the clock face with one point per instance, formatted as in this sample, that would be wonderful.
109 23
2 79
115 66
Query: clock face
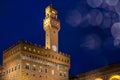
54 48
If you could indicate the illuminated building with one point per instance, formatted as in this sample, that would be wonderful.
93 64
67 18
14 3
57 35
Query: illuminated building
109 72
27 61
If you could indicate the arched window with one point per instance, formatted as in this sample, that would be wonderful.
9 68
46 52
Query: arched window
15 67
40 69
34 68
34 50
60 74
30 49
25 47
65 75
27 66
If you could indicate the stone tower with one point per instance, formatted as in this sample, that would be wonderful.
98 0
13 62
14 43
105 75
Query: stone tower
51 27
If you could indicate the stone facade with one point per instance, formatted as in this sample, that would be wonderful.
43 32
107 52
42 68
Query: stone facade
27 61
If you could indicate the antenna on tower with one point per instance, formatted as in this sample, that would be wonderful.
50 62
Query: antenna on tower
51 3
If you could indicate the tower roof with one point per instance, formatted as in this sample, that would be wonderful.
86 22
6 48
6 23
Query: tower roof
50 8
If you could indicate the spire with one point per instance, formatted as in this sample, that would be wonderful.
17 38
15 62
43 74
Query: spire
50 8
51 3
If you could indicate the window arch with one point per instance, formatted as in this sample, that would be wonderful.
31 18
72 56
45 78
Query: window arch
27 66
60 74
40 69
34 68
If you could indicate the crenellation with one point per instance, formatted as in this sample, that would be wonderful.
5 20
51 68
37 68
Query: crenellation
41 52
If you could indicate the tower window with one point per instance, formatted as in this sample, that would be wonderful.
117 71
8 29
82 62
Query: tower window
65 74
27 66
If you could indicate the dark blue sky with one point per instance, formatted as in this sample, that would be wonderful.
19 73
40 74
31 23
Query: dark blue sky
85 29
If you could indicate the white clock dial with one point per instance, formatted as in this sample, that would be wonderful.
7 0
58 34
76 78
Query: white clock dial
54 48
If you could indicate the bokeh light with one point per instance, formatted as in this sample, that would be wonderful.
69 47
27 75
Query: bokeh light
107 22
110 18
117 8
117 42
115 30
94 3
91 42
95 17
112 2
106 7
74 18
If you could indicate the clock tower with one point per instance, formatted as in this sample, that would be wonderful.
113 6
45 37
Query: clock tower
51 27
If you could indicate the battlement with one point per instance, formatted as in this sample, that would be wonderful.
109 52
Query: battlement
29 47
28 43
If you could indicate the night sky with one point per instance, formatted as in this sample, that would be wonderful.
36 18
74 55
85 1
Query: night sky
90 29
